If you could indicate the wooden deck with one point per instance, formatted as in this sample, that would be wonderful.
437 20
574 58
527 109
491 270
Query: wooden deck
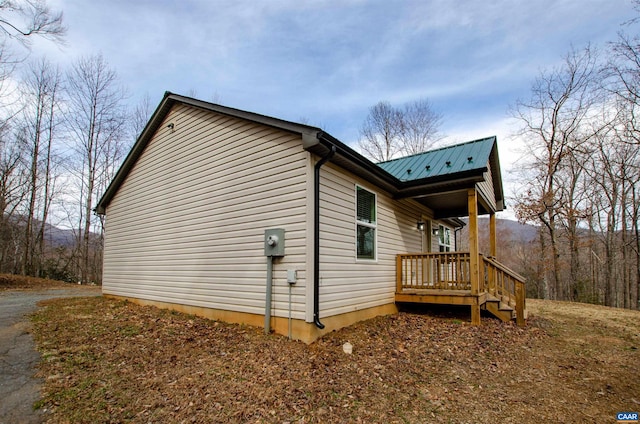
447 278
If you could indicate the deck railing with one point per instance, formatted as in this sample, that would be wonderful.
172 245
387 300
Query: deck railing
440 271
451 271
504 284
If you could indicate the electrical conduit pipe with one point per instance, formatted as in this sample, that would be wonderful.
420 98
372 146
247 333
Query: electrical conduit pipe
316 237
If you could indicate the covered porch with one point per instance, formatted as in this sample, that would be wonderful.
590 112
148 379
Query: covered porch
446 278
458 181
463 278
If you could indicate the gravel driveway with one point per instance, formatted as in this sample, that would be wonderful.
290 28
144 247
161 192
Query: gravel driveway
18 357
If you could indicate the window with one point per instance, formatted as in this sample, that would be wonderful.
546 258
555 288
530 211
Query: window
444 238
365 224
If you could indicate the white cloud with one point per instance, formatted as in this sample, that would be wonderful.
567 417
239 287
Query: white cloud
329 61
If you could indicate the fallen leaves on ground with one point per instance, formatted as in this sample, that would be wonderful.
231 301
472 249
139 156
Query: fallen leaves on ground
113 361
13 282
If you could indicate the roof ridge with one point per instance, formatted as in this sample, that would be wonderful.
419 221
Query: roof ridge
220 108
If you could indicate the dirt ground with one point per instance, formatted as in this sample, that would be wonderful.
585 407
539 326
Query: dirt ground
112 361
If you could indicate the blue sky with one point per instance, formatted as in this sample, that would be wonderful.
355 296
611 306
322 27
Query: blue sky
327 62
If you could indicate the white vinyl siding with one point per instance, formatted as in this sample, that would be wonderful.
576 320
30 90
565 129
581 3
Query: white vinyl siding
435 242
486 190
187 225
348 284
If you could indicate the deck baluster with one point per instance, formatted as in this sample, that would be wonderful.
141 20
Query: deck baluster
445 277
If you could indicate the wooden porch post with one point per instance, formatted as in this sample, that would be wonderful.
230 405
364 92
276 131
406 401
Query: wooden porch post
474 265
493 250
398 273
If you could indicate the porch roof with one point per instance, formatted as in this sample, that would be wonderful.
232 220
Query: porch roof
443 187
449 160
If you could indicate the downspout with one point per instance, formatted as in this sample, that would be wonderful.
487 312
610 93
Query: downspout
316 237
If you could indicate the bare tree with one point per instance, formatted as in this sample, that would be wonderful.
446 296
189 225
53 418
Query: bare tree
50 166
389 132
141 115
21 19
553 123
635 220
12 193
624 82
41 92
420 127
379 135
96 120
572 211
623 71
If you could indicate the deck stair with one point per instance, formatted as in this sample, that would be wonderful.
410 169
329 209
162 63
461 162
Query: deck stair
499 309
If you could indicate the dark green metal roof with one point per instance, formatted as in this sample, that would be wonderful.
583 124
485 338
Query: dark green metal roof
465 157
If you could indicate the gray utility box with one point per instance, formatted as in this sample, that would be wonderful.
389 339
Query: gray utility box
274 242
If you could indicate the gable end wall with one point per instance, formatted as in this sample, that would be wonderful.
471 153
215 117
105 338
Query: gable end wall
187 225
486 188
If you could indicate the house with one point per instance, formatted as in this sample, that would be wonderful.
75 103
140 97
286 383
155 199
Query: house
214 204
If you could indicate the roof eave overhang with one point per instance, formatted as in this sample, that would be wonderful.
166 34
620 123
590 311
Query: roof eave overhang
427 186
157 118
498 188
135 152
352 161
456 223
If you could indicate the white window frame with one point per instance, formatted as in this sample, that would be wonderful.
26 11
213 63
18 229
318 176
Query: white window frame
442 230
373 225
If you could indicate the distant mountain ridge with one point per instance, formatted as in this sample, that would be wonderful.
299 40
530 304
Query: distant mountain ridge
59 236
53 236
520 232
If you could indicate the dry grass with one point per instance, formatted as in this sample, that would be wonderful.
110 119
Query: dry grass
112 361
19 282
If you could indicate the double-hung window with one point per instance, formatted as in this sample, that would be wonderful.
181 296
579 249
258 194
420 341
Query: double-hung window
444 238
366 224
